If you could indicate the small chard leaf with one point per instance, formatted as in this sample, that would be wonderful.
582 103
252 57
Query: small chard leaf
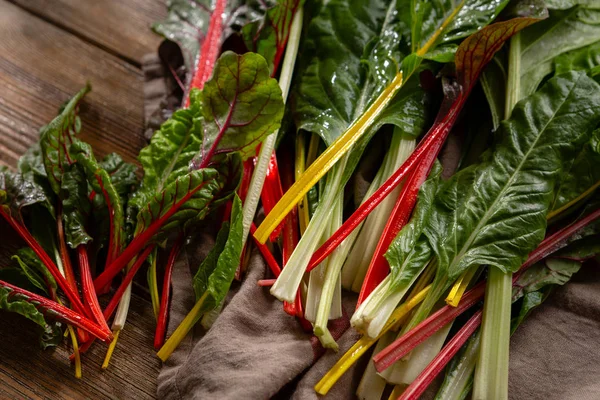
170 152
580 177
410 251
564 31
268 36
182 203
17 193
241 105
56 139
584 59
34 270
122 175
217 271
76 205
101 182
516 180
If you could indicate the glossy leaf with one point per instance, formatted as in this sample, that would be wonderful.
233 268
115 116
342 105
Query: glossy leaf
57 137
17 193
268 35
516 181
122 174
564 31
580 177
76 205
241 105
217 271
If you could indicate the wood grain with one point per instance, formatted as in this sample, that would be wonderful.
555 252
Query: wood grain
41 66
122 26
28 372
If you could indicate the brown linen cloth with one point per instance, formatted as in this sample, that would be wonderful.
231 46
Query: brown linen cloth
256 351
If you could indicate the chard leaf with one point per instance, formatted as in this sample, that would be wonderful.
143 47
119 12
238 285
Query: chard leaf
100 181
217 271
170 152
580 177
583 59
268 36
17 193
564 31
122 175
515 182
13 303
76 205
241 105
441 21
57 137
182 203
35 271
410 251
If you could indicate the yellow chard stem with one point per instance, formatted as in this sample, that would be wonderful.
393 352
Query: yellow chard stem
364 343
75 352
182 330
327 160
111 349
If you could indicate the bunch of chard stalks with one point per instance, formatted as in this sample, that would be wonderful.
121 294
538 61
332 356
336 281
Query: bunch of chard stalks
509 208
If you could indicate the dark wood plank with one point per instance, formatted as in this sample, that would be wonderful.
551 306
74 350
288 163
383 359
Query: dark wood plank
41 66
28 372
123 26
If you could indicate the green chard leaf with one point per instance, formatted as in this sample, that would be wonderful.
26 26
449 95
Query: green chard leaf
565 30
410 251
76 205
268 35
180 204
515 182
217 271
56 139
35 271
101 182
17 193
241 105
580 177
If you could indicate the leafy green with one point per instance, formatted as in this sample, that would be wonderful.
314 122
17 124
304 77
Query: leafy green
180 204
76 205
241 105
564 31
57 137
515 182
17 193
580 176
584 59
217 271
35 271
267 36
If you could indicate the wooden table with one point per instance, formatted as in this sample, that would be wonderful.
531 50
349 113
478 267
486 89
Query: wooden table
48 50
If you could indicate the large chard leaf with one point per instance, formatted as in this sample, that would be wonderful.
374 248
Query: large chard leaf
580 177
583 59
217 271
516 181
564 31
57 137
180 204
241 105
17 193
268 36
76 205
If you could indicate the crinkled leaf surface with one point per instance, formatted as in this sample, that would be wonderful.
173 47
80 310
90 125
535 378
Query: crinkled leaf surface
241 105
581 175
17 193
501 215
217 271
76 205
180 204
57 137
